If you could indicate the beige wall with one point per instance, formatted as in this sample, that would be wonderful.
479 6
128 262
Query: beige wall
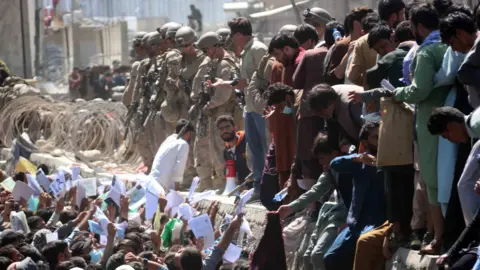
12 45
150 24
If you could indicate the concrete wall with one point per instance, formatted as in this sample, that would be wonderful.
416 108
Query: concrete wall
114 38
15 50
150 24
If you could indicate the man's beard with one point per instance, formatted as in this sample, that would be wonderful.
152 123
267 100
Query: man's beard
227 137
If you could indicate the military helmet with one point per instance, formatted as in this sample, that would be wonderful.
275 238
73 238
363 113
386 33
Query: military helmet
208 40
288 29
154 38
185 36
172 30
223 33
137 40
164 28
317 16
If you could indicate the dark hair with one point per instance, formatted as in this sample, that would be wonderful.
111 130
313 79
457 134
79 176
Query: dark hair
476 14
403 32
116 260
136 265
66 265
148 246
276 93
426 15
356 14
6 251
370 21
322 145
453 22
170 261
191 259
51 251
28 250
135 237
79 262
321 96
5 262
20 176
68 215
44 168
441 117
183 122
224 118
136 246
240 25
379 32
367 128
410 5
35 222
386 8
94 266
306 32
280 41
328 37
441 6
45 213
460 8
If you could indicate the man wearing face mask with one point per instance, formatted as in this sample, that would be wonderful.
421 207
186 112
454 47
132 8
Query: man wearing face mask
220 64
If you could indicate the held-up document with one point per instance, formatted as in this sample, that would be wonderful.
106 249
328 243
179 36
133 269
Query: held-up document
22 190
202 227
243 200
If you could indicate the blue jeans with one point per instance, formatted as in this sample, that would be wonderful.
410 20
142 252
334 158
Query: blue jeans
341 254
257 143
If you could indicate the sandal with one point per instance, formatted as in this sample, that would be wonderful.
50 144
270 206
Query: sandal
434 248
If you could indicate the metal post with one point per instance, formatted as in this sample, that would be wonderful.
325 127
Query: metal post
22 30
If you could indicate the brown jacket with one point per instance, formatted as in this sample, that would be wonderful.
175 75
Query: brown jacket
333 59
309 73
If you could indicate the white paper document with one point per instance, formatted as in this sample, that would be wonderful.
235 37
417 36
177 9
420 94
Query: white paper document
152 194
81 193
90 185
202 227
136 196
174 199
185 211
51 237
21 190
243 200
32 182
232 254
75 172
201 196
43 180
8 184
194 185
114 194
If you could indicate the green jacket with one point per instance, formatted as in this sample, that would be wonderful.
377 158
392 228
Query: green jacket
426 97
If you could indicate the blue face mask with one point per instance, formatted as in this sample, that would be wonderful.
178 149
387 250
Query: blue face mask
287 110
96 255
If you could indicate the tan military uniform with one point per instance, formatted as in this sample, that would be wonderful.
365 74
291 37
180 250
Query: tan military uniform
128 94
144 139
190 66
209 149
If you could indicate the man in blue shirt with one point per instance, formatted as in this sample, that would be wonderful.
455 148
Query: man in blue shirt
367 209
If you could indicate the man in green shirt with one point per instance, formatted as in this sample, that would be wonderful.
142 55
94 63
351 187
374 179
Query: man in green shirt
333 213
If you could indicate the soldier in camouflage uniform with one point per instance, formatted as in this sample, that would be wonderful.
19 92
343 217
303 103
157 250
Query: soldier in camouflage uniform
191 60
209 147
140 54
227 44
152 42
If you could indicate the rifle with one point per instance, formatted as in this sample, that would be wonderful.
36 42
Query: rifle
157 100
146 94
132 109
197 108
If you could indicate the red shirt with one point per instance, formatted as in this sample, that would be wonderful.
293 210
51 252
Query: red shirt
283 74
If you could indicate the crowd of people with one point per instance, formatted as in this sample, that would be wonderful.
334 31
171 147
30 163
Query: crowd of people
96 82
359 138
